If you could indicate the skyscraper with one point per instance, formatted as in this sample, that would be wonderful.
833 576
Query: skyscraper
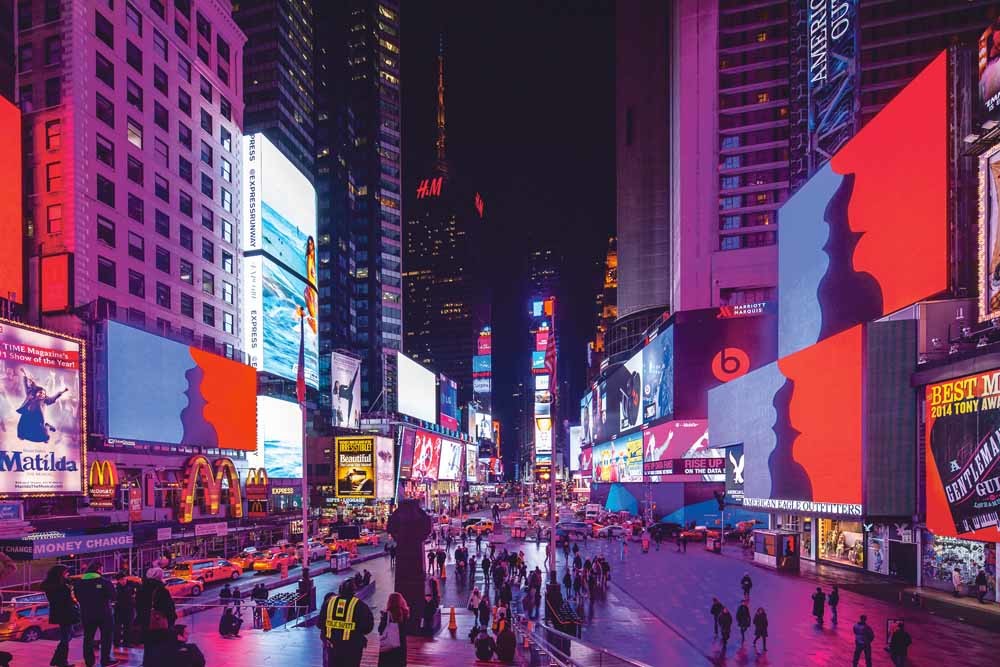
358 183
132 116
446 301
278 75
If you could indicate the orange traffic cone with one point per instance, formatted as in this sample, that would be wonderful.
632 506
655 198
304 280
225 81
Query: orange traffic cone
444 571
527 635
265 619
452 623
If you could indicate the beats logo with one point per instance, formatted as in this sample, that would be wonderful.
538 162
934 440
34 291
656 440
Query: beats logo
730 363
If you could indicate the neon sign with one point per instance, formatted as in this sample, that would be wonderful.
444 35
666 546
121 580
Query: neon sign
103 484
480 204
257 493
198 467
430 187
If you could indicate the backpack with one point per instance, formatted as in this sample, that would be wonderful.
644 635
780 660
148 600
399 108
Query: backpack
389 637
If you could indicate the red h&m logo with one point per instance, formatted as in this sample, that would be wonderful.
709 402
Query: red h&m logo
430 187
480 204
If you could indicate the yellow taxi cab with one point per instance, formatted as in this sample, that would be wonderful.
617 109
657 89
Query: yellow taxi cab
368 537
183 588
482 527
246 558
274 559
207 570
26 618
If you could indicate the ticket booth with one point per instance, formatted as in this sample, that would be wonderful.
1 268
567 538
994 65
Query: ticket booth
776 549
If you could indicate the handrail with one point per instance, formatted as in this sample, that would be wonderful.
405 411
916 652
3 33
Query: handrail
630 662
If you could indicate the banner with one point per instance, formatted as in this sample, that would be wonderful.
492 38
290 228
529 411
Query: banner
345 393
734 474
355 474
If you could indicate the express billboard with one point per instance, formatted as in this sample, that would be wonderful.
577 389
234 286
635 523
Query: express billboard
165 392
43 415
279 427
448 402
355 466
345 391
415 389
619 460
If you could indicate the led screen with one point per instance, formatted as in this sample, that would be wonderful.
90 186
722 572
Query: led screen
481 363
484 426
575 444
619 460
538 360
989 70
279 424
541 382
11 216
676 441
448 397
355 466
630 391
450 462
162 391
415 390
345 390
385 469
586 461
41 412
658 378
471 457
426 455
989 233
543 437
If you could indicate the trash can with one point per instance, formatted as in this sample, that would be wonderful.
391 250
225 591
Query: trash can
713 544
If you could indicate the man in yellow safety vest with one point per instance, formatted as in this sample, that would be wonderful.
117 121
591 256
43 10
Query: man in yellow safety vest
343 622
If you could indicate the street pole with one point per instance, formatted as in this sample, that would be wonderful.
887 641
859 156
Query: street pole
305 492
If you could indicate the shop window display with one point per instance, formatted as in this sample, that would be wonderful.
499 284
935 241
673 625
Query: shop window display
842 542
942 555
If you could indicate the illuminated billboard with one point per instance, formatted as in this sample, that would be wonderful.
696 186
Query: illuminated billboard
542 340
619 460
989 234
385 469
989 69
43 415
345 390
471 458
575 445
416 389
541 382
273 300
484 426
279 428
166 392
963 457
450 460
11 203
448 398
481 363
543 437
484 343
426 455
538 360
677 441
354 459
658 378
629 396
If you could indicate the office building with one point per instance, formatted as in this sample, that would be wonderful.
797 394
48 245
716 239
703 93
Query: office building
132 117
606 311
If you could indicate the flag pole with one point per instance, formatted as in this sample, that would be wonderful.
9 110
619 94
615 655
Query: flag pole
300 390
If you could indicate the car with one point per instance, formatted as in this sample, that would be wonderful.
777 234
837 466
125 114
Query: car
469 522
696 534
275 559
26 618
317 550
481 527
207 570
572 529
504 506
183 588
666 529
246 558
368 537
611 531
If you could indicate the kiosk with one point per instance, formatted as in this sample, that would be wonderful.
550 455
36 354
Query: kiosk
776 549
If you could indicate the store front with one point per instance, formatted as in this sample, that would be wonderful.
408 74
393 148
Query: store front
892 551
943 555
805 526
841 542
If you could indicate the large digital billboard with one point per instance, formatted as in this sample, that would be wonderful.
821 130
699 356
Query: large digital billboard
734 474
658 377
42 412
163 391
426 455
989 69
575 444
543 437
484 426
676 441
450 462
448 398
963 457
630 391
279 427
471 461
11 203
481 363
989 234
619 460
354 458
416 389
345 390
385 469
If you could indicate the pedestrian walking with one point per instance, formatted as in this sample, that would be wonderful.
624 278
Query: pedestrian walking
678 542
392 547
487 563
344 620
392 632
760 627
155 615
538 535
863 638
725 626
431 556
819 605
567 582
95 594
658 538
124 610
746 584
62 611
956 582
899 645
441 558
479 542
981 582
624 551
484 612
834 600
715 610
743 620
684 543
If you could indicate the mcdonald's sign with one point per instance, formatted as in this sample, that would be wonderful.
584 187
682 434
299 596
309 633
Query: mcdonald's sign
103 482
257 491
198 468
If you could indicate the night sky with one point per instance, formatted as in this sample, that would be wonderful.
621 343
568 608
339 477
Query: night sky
530 118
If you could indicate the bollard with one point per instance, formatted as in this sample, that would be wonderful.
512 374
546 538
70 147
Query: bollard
452 623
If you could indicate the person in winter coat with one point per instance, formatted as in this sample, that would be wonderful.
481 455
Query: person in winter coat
899 645
506 645
760 627
154 596
746 584
484 612
484 645
124 610
62 611
474 599
392 632
834 600
725 626
863 638
567 582
743 620
981 586
715 610
486 564
819 605
95 594
956 582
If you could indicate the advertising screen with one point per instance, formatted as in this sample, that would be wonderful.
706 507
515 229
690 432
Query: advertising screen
542 382
658 377
166 392
630 390
963 457
542 340
481 363
42 412
989 233
416 389
619 460
484 426
543 436
345 392
450 463
355 461
426 455
699 468
471 459
448 402
279 424
586 461
385 469
407 439
484 343
575 444
734 474
676 440
482 386
989 70
538 360
585 417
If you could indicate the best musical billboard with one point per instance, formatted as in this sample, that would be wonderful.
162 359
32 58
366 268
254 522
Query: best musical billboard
345 392
42 412
355 466
963 457
619 460
165 392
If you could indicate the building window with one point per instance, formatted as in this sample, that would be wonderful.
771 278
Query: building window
187 238
53 10
136 316
160 45
207 187
187 204
136 247
136 208
184 68
133 19
227 200
162 152
225 108
25 58
207 282
160 80
206 153
763 98
53 219
133 94
27 97
732 202
187 306
729 243
163 259
53 92
163 295
158 8
106 271
161 117
133 56
207 218
184 169
184 102
222 47
206 121
205 88
227 231
226 170
208 314
226 139
207 250
53 177
202 53
227 262
227 292
187 272
104 30
162 224
184 135
53 50
731 222
134 133
161 188
181 31
227 322
135 170
105 231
